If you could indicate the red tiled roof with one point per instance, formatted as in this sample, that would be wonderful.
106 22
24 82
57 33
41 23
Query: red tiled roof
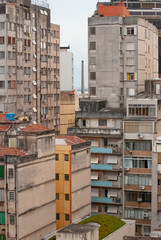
11 151
70 140
2 117
4 128
35 128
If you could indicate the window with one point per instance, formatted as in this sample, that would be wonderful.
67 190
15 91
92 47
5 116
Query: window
146 33
92 30
130 31
130 76
106 208
10 172
2 54
66 217
1 171
2 69
92 45
67 197
84 123
11 196
2 84
1 40
105 142
93 91
92 60
138 196
137 213
130 61
11 40
57 176
138 145
66 157
56 157
1 196
141 110
131 92
102 122
66 177
57 216
12 219
27 71
130 46
92 75
57 196
2 25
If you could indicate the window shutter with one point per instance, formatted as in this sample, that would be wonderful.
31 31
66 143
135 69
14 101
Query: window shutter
135 30
1 171
125 31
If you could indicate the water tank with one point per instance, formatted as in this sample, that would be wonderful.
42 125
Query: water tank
10 116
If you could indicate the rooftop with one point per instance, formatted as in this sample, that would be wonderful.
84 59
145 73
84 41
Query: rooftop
11 151
78 228
4 128
68 140
108 224
35 128
2 117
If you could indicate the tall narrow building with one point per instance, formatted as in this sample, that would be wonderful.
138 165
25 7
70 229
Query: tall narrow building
29 62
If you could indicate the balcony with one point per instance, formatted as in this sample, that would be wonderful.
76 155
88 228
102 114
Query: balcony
114 133
101 200
106 200
114 184
101 183
106 150
101 167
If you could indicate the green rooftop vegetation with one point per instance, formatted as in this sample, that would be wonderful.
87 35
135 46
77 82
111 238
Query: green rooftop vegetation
53 238
108 224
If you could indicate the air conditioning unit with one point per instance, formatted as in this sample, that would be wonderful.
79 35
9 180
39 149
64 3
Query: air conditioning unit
159 171
141 136
139 199
127 168
146 215
142 187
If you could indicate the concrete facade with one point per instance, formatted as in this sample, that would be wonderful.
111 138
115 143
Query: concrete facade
72 164
123 53
27 181
29 62
66 70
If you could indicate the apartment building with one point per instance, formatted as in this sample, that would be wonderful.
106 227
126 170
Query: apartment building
149 10
67 69
142 159
67 110
27 181
123 53
73 183
103 127
29 62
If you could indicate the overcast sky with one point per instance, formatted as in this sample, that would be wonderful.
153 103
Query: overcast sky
72 16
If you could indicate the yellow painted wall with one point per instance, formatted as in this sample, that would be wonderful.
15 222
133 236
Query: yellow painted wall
67 111
63 187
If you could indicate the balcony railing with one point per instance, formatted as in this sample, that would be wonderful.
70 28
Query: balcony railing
101 183
106 200
95 131
101 167
106 150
